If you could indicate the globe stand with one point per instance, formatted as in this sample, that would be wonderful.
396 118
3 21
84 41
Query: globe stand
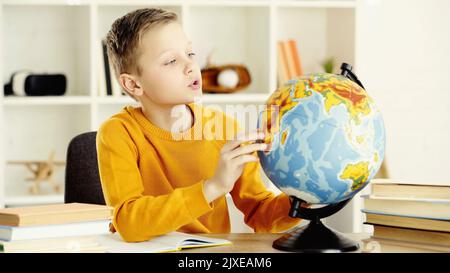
315 237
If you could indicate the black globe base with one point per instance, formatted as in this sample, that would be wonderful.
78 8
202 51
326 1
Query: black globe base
315 238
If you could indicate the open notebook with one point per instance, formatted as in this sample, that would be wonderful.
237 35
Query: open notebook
170 242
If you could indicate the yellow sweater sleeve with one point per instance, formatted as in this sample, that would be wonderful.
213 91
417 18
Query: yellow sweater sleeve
263 210
139 217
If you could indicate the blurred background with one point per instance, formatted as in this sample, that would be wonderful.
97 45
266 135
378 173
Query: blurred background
399 49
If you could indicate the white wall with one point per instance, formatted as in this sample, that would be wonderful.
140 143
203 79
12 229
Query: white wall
2 148
2 153
404 61
2 132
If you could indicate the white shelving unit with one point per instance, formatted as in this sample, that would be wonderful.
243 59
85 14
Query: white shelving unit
64 36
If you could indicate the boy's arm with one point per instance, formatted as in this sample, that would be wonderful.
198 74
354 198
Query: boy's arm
139 217
263 211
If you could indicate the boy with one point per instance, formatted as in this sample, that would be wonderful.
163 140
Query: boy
155 176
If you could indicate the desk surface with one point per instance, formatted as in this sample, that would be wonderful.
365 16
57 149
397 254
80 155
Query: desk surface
262 243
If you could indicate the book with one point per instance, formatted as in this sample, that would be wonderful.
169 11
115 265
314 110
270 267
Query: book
107 69
283 69
390 188
171 242
295 67
54 214
408 222
101 71
438 209
289 64
412 235
10 233
64 244
288 60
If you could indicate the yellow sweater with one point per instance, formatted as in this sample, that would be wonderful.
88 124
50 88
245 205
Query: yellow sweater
154 180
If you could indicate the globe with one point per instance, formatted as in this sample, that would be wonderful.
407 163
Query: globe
327 138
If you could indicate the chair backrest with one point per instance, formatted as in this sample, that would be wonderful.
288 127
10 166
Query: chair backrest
82 182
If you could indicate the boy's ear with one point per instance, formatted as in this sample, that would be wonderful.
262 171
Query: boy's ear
130 84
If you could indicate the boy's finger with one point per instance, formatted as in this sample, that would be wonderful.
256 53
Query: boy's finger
248 149
252 136
245 159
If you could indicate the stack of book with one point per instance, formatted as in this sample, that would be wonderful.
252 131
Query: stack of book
289 64
403 213
54 228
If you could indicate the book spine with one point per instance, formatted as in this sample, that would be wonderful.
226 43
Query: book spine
101 71
295 58
283 71
288 60
408 208
107 69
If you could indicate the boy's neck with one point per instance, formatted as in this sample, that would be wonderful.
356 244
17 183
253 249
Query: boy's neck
162 117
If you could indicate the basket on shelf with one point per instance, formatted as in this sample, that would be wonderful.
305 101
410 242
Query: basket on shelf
210 74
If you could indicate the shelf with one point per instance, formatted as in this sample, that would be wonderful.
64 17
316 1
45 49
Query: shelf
115 100
316 4
234 35
58 36
86 100
66 33
44 2
239 3
230 3
331 40
48 100
154 3
206 98
234 98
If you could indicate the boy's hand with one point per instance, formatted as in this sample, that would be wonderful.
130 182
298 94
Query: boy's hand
233 157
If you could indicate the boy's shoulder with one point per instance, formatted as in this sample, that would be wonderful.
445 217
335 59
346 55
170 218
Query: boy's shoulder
119 122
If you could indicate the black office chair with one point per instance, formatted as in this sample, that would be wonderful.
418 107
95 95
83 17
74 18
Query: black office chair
82 183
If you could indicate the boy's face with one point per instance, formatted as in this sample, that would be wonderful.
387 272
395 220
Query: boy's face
170 74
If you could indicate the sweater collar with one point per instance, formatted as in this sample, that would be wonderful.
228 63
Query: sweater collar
145 123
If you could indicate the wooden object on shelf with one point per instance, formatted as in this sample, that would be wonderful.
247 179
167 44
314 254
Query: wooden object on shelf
209 78
211 72
42 170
